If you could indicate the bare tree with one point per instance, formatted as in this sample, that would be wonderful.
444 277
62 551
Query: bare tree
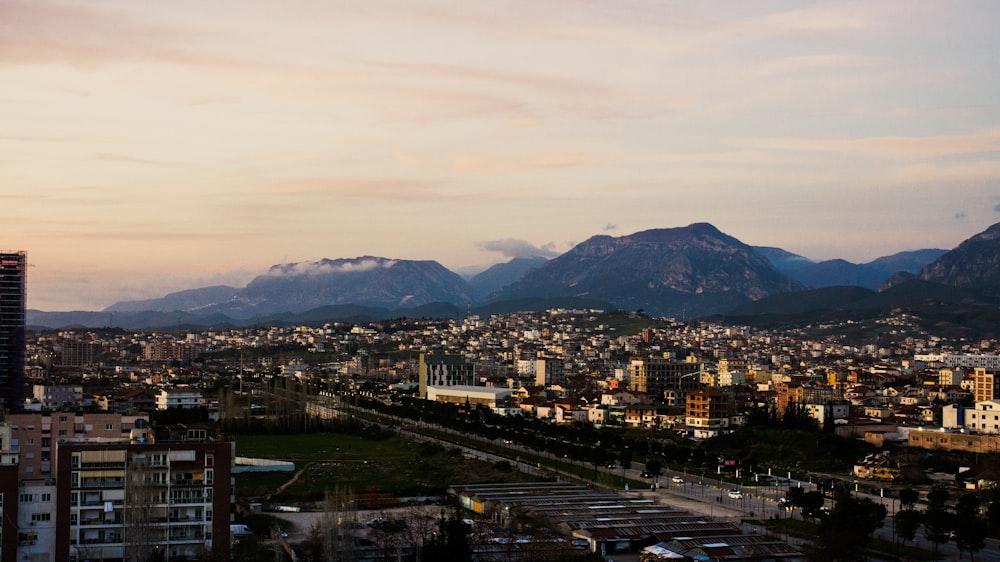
140 495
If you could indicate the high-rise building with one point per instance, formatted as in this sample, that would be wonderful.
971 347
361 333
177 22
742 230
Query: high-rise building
444 370
987 385
664 379
13 296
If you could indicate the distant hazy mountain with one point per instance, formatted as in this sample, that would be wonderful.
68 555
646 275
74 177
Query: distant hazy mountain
945 310
838 272
687 271
783 260
502 274
192 299
684 272
909 262
974 264
364 281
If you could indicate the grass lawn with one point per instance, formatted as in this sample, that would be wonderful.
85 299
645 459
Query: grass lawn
336 463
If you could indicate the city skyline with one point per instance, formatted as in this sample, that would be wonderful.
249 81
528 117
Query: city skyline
150 148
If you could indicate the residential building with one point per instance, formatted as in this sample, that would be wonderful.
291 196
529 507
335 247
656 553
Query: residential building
169 351
950 377
549 371
36 520
36 435
134 400
53 396
984 417
13 295
708 412
75 353
657 375
124 500
185 398
985 385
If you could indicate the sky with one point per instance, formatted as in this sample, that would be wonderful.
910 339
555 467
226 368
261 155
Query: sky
150 147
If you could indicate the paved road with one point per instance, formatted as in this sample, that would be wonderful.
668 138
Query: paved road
700 493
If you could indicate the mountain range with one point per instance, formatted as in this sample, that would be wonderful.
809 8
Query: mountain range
686 272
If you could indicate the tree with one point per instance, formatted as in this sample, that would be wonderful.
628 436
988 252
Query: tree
993 514
937 525
625 458
451 542
811 504
844 534
937 498
906 524
967 506
970 534
908 498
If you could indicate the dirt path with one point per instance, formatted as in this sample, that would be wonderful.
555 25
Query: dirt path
292 480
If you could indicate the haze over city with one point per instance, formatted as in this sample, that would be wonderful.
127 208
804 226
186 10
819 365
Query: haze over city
153 147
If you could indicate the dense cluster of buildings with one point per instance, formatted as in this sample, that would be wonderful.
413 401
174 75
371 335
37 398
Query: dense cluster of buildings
76 447
106 486
560 365
77 483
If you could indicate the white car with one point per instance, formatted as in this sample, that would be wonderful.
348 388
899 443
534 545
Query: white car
736 494
677 480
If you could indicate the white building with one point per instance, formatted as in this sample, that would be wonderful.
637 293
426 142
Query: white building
991 362
474 395
984 417
36 521
179 398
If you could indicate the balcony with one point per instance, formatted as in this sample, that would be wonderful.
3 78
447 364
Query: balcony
105 540
102 483
98 522
182 501
101 465
178 537
187 482
100 503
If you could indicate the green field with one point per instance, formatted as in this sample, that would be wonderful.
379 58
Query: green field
340 463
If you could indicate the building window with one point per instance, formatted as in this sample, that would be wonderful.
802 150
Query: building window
41 516
46 497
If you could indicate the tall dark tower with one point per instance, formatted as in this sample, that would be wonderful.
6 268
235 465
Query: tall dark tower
13 297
